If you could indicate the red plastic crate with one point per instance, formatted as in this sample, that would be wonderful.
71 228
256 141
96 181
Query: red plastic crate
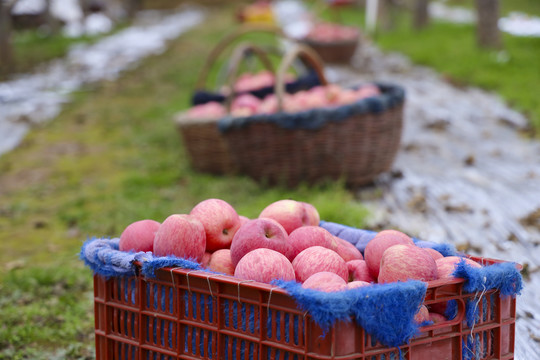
186 314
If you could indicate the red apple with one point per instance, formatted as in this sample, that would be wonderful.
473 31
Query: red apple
221 262
316 259
434 253
243 219
264 265
325 281
313 217
447 265
347 250
220 222
269 105
182 236
291 214
357 283
376 247
422 315
404 262
206 259
358 271
260 233
210 110
436 318
139 236
308 236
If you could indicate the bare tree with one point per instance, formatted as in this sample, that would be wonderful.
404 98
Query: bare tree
6 50
487 30
420 14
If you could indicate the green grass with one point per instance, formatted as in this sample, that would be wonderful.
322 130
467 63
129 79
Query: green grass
111 158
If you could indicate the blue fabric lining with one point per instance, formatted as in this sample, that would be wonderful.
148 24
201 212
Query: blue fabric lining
314 119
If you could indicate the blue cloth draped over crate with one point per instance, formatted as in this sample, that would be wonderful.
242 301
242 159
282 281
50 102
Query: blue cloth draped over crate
313 119
303 82
385 311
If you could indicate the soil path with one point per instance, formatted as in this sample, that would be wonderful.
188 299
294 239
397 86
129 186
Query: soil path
463 175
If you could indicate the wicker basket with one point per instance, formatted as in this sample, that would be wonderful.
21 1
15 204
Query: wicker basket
353 142
338 52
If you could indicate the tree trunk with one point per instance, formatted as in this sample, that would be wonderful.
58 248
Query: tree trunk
6 50
132 6
420 14
487 30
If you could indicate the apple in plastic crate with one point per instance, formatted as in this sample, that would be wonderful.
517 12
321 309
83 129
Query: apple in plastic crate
291 214
356 284
221 262
206 259
325 281
308 236
139 236
406 262
347 250
434 253
376 247
264 265
316 259
181 235
436 318
260 233
358 271
422 315
220 222
447 265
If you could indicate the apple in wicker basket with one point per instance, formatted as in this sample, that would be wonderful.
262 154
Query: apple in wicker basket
406 262
264 265
316 259
220 221
260 233
245 105
328 32
210 110
181 235
139 236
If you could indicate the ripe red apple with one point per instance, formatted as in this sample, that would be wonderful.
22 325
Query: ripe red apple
308 236
264 265
434 253
436 318
347 250
221 262
182 236
316 259
269 105
210 110
404 262
376 247
422 315
313 217
220 222
447 265
243 219
260 233
245 105
358 271
291 214
356 284
325 281
206 259
139 236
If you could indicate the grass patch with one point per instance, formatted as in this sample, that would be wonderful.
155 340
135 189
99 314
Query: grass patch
112 157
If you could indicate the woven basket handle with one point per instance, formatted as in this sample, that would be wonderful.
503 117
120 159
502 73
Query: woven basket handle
238 55
226 41
308 56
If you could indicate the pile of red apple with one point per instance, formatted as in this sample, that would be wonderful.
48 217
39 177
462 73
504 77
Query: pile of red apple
286 242
329 33
316 97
